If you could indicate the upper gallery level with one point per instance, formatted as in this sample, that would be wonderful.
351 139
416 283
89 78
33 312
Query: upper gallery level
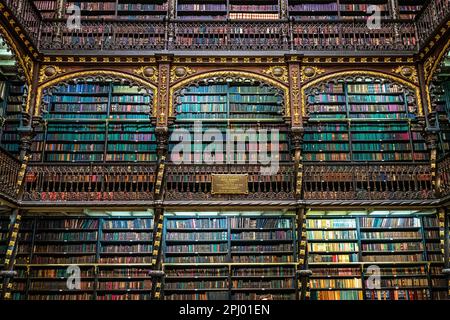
228 26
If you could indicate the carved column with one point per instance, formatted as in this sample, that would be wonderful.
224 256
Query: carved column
283 5
444 221
8 267
171 9
295 98
303 273
162 98
156 272
431 139
297 143
59 14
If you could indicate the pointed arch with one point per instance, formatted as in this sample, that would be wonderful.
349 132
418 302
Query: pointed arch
25 62
94 74
364 73
224 74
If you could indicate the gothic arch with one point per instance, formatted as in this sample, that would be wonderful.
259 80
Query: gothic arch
93 74
228 74
24 62
366 74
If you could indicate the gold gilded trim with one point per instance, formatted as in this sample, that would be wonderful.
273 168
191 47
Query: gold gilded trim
435 62
105 73
227 73
364 73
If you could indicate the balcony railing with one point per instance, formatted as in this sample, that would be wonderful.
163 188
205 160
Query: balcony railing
437 12
229 36
443 172
367 182
89 182
9 174
27 15
135 182
284 36
193 182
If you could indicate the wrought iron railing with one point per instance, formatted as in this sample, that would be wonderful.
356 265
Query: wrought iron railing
9 175
194 182
89 182
228 36
281 35
436 13
443 175
27 15
367 181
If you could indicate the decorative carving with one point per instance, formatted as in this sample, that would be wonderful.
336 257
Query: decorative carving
363 74
277 72
177 73
148 72
309 72
162 96
49 72
228 74
407 72
103 75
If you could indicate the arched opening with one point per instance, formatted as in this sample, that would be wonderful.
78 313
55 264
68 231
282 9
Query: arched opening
358 118
440 102
13 96
95 119
229 124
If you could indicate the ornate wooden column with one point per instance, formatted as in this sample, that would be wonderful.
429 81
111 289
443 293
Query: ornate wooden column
444 225
297 130
427 124
162 136
59 14
8 267
303 273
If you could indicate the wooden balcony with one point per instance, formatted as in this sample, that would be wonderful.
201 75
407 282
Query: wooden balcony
399 183
9 176
281 36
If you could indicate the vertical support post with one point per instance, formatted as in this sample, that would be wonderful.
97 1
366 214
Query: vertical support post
57 36
303 274
444 235
10 257
156 273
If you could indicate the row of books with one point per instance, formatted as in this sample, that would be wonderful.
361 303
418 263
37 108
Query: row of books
265 235
358 108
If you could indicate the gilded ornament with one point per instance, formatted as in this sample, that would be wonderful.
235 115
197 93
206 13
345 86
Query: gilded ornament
311 72
48 72
147 72
278 72
177 73
407 72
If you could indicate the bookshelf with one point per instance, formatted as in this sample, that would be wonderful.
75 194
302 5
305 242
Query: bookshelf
237 106
122 9
222 257
114 256
4 230
47 8
344 249
259 10
362 121
409 9
10 116
96 122
333 250
201 10
442 102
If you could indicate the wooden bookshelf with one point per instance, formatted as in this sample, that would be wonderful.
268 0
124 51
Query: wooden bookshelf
114 256
229 257
4 230
362 121
10 112
237 106
96 122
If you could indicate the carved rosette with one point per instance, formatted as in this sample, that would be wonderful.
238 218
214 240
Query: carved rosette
407 72
311 72
178 73
49 72
278 72
147 72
